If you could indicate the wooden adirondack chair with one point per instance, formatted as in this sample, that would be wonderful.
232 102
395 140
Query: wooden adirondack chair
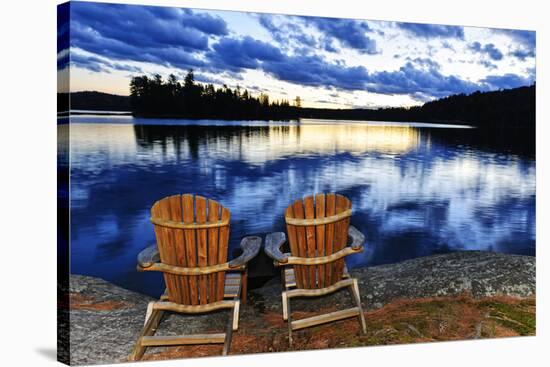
318 232
192 238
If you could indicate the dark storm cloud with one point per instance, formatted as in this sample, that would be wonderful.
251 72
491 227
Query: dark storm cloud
432 30
522 53
180 38
328 45
313 70
351 33
167 36
245 53
287 32
488 49
487 64
63 34
506 81
424 62
420 75
96 64
525 42
526 39
410 79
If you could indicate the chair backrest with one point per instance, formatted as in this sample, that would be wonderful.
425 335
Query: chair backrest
192 231
318 226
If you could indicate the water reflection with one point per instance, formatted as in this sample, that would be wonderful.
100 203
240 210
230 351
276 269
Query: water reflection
415 191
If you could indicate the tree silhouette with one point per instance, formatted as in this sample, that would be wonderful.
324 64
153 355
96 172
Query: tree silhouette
298 102
156 97
504 108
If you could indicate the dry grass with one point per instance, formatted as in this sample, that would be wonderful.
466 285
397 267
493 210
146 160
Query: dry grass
401 321
78 301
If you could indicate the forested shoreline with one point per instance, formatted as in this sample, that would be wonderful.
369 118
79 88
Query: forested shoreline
155 97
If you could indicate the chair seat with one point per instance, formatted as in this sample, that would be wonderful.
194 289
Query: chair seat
290 280
232 285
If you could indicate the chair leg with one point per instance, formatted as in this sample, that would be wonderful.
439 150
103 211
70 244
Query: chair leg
153 318
148 312
244 286
285 310
236 315
228 332
357 297
289 320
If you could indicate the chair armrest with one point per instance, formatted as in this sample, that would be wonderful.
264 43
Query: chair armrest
357 238
273 243
148 256
250 246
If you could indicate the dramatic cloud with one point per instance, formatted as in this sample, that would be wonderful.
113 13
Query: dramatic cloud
328 45
421 75
488 49
246 53
525 38
96 64
525 42
303 51
350 33
432 30
287 31
522 54
63 36
424 62
167 36
506 81
410 79
63 59
312 70
487 64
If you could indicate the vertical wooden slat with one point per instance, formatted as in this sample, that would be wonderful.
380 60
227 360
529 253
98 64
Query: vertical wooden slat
213 236
176 214
340 235
346 223
222 251
330 209
169 251
310 241
200 215
190 245
301 239
320 236
293 242
159 234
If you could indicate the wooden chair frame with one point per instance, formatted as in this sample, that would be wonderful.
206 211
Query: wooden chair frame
273 244
149 260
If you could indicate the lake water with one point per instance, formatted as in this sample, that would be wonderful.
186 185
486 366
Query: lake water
416 189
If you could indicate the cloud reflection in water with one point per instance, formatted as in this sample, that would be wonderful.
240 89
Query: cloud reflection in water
415 191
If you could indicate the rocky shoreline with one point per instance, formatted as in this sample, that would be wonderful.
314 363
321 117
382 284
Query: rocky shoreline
106 319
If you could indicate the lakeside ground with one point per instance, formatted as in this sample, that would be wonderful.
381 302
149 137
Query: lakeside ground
457 296
399 322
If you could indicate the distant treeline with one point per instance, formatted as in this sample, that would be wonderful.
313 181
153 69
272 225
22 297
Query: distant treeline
156 97
504 108
93 101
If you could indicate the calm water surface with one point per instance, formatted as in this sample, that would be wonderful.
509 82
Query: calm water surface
416 189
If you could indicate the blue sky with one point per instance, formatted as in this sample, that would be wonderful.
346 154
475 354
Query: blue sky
328 62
